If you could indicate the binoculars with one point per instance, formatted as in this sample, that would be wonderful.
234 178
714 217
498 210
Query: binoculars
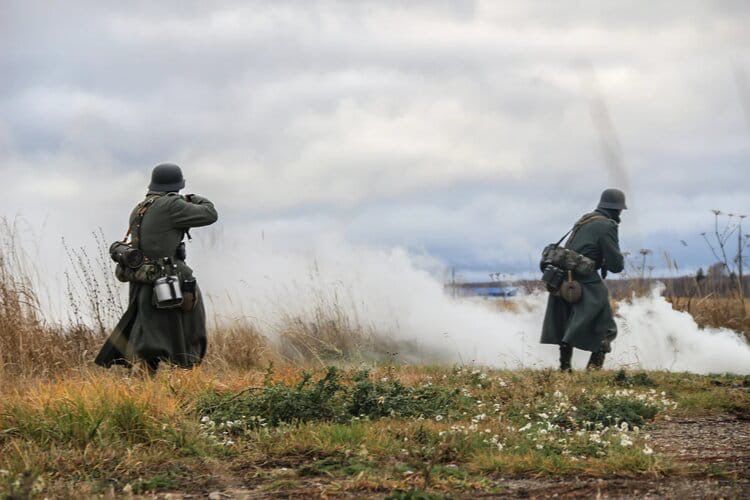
125 255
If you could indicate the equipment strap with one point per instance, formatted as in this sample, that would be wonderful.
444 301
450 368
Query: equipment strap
578 225
134 230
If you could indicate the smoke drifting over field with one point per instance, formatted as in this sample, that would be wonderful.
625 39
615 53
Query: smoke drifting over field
393 293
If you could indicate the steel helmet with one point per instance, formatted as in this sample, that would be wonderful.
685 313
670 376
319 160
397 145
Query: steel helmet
166 178
613 199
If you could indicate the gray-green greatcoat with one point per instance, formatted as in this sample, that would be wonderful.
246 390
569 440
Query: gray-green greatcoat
145 332
588 325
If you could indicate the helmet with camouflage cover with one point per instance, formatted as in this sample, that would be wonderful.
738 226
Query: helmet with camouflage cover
613 199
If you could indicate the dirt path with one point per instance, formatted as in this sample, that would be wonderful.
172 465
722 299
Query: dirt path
715 451
719 443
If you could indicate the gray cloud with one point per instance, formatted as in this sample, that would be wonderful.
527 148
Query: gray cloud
462 129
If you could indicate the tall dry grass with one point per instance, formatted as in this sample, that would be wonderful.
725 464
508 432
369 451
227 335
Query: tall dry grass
717 312
29 345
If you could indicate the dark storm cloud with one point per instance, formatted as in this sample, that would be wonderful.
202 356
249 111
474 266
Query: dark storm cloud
462 129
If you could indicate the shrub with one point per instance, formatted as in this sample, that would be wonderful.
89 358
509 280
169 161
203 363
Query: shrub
330 399
640 379
384 398
611 411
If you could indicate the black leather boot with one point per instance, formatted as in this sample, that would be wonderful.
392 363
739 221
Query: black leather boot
596 361
566 357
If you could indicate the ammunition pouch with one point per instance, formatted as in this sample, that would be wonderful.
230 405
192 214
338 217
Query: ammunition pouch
145 275
567 260
557 261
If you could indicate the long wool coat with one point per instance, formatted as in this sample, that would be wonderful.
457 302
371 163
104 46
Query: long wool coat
589 324
145 332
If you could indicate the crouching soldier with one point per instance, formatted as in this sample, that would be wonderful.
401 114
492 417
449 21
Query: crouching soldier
579 314
165 319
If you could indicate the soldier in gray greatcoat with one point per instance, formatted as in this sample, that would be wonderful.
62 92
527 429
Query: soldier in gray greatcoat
158 226
589 324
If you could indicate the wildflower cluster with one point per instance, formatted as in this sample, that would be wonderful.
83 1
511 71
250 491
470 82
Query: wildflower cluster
591 426
225 432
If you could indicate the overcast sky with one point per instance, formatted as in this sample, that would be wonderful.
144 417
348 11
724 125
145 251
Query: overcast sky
472 131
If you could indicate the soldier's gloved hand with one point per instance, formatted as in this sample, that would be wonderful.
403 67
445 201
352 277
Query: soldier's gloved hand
194 198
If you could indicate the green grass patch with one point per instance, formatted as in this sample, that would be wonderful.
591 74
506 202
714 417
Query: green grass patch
332 398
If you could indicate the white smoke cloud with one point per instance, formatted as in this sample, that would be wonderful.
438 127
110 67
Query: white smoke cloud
392 292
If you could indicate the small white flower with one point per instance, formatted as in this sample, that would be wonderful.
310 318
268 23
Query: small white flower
647 450
438 418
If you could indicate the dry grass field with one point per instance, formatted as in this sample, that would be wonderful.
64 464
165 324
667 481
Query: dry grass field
393 431
712 311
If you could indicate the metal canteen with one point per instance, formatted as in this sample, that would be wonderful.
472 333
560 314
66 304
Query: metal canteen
167 292
571 291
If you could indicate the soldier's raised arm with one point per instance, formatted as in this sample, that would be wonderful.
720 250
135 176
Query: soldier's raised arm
197 212
610 245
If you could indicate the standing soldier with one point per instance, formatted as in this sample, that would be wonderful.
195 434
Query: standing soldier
579 314
154 330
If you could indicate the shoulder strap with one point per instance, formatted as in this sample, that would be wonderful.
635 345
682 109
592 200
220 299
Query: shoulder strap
578 225
134 231
559 242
